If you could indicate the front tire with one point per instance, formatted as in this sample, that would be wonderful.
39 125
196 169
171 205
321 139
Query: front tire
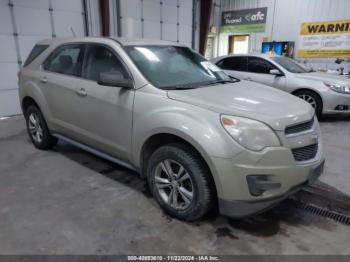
313 99
37 129
180 181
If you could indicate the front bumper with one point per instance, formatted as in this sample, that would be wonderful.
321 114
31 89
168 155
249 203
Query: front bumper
240 209
333 102
277 164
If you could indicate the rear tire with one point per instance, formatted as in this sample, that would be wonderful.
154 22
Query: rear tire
313 99
37 129
180 181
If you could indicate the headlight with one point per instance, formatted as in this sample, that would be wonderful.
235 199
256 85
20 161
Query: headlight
338 88
249 133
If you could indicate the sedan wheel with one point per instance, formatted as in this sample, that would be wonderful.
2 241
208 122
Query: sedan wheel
174 184
313 99
309 99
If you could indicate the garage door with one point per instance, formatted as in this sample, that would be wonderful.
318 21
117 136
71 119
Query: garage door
22 24
169 20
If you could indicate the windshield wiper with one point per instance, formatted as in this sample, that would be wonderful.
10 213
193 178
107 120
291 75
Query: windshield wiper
220 82
199 84
179 87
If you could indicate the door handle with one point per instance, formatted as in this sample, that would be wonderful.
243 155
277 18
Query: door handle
81 92
43 80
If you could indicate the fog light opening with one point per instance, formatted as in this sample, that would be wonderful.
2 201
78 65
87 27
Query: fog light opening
342 107
258 184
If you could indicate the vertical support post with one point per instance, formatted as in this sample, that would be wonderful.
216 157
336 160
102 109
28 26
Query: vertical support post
194 21
119 26
104 12
15 34
142 21
161 19
178 21
85 18
205 11
52 22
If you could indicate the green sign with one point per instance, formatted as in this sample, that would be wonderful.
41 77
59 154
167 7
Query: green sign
244 21
243 28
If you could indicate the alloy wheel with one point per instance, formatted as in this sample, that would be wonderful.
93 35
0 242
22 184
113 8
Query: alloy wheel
174 184
35 128
308 99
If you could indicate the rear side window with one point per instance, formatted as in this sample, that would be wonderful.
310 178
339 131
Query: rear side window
238 63
36 51
66 60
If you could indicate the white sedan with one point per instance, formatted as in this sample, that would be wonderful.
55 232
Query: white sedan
326 93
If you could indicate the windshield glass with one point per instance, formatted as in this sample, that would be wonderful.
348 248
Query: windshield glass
290 64
173 67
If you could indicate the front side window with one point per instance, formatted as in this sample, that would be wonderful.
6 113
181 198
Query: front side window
260 66
238 63
290 65
66 60
99 60
174 67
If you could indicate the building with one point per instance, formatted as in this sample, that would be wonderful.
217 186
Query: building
195 23
281 22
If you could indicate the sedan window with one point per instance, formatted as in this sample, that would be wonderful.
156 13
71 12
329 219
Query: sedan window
290 65
259 65
238 63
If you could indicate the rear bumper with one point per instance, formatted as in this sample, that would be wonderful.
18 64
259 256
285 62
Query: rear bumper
245 208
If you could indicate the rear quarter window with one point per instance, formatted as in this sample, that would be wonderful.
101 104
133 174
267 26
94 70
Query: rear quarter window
36 51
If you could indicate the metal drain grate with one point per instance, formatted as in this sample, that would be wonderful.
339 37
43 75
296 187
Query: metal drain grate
341 218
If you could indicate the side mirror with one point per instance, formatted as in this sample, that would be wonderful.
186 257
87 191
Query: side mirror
276 72
233 78
114 79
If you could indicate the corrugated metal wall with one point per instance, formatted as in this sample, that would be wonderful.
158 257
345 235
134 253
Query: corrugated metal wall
284 18
169 20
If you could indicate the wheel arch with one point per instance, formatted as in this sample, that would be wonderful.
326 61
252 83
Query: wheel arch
28 101
309 90
155 141
30 93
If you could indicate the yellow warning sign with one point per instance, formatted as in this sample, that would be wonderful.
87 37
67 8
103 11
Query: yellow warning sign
326 28
325 39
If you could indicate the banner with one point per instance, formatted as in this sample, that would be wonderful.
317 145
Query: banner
244 21
325 39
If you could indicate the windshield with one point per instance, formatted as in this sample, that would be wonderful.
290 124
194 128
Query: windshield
290 64
173 67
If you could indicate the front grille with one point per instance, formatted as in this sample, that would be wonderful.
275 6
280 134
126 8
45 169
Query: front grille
299 127
305 153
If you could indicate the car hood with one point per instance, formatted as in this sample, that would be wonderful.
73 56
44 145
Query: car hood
246 99
324 77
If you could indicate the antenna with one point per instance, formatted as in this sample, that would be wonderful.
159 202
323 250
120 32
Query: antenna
71 28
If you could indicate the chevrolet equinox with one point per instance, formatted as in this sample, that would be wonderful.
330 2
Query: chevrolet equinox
202 139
